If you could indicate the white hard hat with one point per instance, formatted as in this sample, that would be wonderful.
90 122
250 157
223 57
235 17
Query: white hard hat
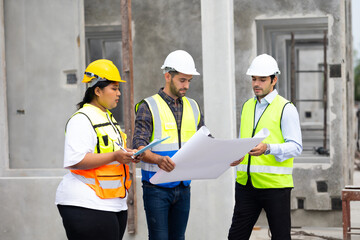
263 65
181 61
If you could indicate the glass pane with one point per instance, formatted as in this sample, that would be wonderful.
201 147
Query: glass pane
310 86
95 49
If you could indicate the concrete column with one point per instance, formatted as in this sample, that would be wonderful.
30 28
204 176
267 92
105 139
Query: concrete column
212 201
217 22
3 100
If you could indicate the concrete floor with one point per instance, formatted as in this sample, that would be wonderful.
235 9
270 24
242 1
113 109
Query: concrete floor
261 233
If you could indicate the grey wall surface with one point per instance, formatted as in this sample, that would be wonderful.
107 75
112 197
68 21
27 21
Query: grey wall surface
161 27
100 13
28 210
38 61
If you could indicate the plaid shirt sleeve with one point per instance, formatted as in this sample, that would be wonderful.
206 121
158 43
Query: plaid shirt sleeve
143 126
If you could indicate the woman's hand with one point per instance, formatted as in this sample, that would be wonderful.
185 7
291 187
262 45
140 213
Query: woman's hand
124 157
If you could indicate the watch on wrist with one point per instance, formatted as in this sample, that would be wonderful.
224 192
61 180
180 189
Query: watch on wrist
267 151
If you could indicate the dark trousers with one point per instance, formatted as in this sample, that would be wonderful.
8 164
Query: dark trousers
250 201
89 224
167 211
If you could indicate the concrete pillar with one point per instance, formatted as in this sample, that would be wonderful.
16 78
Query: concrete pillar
213 200
217 22
3 103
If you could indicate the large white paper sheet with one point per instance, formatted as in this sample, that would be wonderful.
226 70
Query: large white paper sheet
203 157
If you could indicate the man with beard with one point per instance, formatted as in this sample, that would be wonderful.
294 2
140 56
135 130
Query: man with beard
167 113
264 176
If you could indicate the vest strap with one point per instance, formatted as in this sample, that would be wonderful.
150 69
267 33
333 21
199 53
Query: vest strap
84 179
156 117
196 111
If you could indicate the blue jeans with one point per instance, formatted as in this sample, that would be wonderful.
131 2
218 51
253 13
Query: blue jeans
167 211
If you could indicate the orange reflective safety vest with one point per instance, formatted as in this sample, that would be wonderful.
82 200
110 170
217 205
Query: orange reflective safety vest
113 179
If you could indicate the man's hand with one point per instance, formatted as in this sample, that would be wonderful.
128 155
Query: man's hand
137 158
165 163
258 150
237 162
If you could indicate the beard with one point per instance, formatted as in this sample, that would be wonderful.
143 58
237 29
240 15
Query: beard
176 91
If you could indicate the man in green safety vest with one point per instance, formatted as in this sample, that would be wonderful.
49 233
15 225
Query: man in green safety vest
264 176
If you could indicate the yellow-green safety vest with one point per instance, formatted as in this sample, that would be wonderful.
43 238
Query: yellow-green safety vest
264 170
164 124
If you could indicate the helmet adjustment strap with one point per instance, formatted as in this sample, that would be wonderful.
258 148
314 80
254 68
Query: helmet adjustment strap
95 79
169 69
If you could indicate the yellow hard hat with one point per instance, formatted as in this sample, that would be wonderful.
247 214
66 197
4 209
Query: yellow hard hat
101 70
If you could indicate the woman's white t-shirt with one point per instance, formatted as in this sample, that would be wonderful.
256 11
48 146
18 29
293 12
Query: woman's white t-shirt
81 139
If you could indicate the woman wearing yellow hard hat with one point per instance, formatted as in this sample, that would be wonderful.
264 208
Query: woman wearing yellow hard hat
91 198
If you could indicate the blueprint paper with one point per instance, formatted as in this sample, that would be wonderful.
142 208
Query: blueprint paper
203 157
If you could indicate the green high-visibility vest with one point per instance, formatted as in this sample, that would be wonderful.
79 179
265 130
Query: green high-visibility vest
264 170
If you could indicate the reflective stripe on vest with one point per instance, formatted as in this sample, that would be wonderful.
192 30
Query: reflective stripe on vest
111 180
164 124
264 170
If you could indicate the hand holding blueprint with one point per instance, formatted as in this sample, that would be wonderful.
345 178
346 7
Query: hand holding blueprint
203 157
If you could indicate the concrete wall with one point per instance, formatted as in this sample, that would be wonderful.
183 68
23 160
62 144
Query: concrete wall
159 28
41 56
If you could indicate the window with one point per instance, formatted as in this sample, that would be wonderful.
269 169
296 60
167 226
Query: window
299 46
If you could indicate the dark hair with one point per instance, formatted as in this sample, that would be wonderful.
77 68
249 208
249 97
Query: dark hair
173 73
90 93
272 78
